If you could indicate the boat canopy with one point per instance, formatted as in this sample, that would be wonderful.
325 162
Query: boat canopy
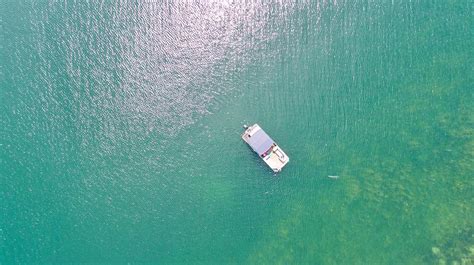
260 142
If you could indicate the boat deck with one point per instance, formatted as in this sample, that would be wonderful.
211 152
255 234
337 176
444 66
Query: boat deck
276 159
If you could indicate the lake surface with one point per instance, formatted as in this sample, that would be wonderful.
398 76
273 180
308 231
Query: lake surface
120 132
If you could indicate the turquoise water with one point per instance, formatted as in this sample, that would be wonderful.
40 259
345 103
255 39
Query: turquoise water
120 132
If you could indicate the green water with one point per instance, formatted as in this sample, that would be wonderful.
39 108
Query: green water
120 132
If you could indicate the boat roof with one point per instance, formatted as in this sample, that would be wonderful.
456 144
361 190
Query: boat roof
260 142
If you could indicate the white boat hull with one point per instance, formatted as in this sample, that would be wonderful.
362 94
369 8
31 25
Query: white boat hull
265 147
